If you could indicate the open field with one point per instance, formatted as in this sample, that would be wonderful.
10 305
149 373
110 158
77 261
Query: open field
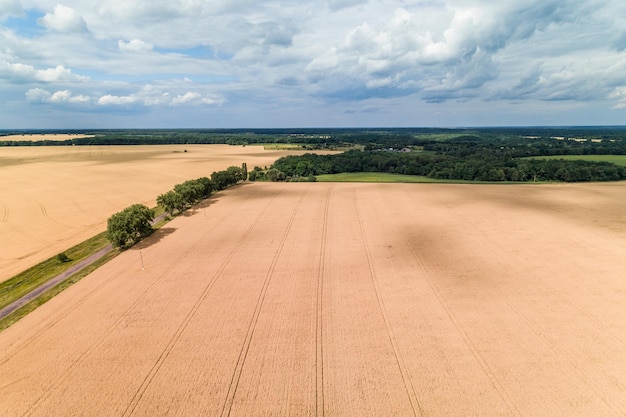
614 159
312 299
47 136
55 197
384 177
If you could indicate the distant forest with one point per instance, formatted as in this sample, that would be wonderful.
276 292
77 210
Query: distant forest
478 154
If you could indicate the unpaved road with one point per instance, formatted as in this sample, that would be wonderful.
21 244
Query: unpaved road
343 300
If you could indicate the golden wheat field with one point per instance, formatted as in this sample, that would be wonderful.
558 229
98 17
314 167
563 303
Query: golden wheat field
34 137
52 198
320 299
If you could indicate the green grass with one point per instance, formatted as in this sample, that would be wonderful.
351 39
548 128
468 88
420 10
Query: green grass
302 147
39 274
280 146
614 159
27 281
399 178
378 177
442 137
27 308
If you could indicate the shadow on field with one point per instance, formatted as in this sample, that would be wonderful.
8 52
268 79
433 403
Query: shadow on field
154 238
198 208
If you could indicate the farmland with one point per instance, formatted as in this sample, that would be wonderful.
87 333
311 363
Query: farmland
311 299
56 197
614 159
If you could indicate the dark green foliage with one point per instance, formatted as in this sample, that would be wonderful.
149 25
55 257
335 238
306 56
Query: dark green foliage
481 164
223 179
244 171
170 201
185 195
191 192
129 226
62 258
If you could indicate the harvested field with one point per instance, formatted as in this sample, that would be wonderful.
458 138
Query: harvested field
312 299
55 197
35 137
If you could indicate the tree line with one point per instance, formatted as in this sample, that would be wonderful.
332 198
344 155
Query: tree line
478 166
134 223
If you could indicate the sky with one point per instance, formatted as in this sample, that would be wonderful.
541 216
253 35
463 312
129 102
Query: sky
79 64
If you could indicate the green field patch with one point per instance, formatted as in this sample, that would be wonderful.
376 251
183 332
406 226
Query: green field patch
443 137
613 159
378 177
280 146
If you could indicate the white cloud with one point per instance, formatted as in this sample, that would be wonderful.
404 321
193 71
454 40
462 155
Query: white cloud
245 54
59 73
134 45
10 8
39 95
66 96
17 72
111 100
21 73
190 98
64 19
151 96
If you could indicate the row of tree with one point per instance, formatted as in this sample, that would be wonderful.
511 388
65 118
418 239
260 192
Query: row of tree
134 223
473 167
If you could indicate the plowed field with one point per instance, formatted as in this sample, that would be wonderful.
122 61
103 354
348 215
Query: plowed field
344 300
52 198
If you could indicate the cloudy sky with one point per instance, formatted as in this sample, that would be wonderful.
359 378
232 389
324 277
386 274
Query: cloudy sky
317 63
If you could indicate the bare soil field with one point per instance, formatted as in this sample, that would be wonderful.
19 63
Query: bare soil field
322 299
52 198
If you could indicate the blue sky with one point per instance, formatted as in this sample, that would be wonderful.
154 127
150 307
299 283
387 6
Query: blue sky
333 63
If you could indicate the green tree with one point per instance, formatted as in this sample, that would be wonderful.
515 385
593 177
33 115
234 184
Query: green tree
170 201
244 171
129 226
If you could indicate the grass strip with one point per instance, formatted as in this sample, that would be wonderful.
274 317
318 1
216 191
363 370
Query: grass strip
36 276
27 308
613 159
30 279
395 178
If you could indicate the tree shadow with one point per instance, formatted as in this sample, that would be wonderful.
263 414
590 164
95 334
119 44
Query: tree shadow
154 238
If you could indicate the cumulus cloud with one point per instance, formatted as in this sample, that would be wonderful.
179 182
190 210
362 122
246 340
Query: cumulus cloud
245 53
64 19
39 95
59 73
134 45
17 72
445 53
21 73
111 100
151 95
190 98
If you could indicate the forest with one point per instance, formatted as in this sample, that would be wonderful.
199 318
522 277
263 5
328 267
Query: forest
476 154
